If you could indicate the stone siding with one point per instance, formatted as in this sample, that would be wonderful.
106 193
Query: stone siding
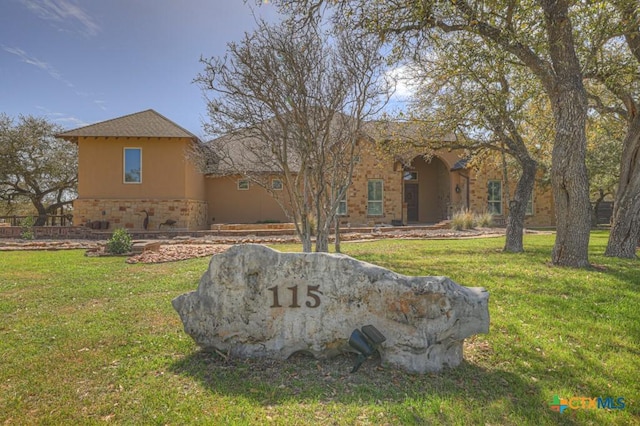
127 213
543 207
371 167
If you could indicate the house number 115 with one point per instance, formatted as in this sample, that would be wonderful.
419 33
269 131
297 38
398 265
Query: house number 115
313 293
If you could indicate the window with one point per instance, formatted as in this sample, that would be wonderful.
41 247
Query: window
132 165
495 197
276 184
410 176
342 205
375 192
243 185
529 210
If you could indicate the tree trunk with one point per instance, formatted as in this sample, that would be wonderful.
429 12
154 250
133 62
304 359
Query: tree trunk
625 229
323 224
570 184
322 242
305 237
518 208
322 235
41 220
303 229
568 169
596 207
337 241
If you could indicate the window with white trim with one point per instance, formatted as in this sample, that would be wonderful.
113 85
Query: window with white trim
494 197
276 184
342 205
132 165
529 210
243 184
375 193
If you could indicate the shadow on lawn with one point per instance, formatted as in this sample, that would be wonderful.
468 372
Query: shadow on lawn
273 382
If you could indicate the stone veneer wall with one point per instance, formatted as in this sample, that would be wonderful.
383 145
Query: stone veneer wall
543 206
368 168
127 213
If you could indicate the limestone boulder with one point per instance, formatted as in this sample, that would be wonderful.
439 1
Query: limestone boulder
257 302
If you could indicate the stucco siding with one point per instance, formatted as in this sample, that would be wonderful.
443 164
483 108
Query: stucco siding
100 168
228 204
195 182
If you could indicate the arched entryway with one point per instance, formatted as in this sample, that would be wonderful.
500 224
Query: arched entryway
427 190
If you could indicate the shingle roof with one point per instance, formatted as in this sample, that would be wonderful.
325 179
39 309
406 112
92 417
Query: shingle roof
140 124
460 164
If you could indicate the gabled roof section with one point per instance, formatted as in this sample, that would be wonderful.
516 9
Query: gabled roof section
460 164
140 124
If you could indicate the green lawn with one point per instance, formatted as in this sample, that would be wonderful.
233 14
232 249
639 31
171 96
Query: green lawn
95 340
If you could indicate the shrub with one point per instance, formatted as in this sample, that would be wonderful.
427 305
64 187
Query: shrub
27 228
463 219
484 220
120 242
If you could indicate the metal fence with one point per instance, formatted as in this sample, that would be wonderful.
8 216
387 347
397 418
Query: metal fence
52 220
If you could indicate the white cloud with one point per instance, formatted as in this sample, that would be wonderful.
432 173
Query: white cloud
31 60
100 104
404 82
63 119
71 122
63 12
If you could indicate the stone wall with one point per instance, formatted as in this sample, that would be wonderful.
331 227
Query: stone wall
369 167
47 232
543 206
127 213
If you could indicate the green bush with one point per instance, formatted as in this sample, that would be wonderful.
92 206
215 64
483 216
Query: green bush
27 228
463 219
120 242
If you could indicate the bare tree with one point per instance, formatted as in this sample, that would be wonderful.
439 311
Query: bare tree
290 100
36 166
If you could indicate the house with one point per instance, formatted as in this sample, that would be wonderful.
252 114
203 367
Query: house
139 166
134 163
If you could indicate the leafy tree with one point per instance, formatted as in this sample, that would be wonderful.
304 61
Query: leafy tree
537 34
468 89
289 101
604 151
613 64
36 166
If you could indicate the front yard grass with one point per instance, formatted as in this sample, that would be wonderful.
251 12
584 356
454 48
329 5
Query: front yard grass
94 340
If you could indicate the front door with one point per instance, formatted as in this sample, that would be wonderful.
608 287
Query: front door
411 198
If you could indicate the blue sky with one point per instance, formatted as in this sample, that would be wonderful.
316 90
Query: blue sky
85 61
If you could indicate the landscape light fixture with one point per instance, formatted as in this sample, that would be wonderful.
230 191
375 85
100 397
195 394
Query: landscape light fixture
365 342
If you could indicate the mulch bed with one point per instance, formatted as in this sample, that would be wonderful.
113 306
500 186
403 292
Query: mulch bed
175 252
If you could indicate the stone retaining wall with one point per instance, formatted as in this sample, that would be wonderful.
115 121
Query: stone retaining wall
48 232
